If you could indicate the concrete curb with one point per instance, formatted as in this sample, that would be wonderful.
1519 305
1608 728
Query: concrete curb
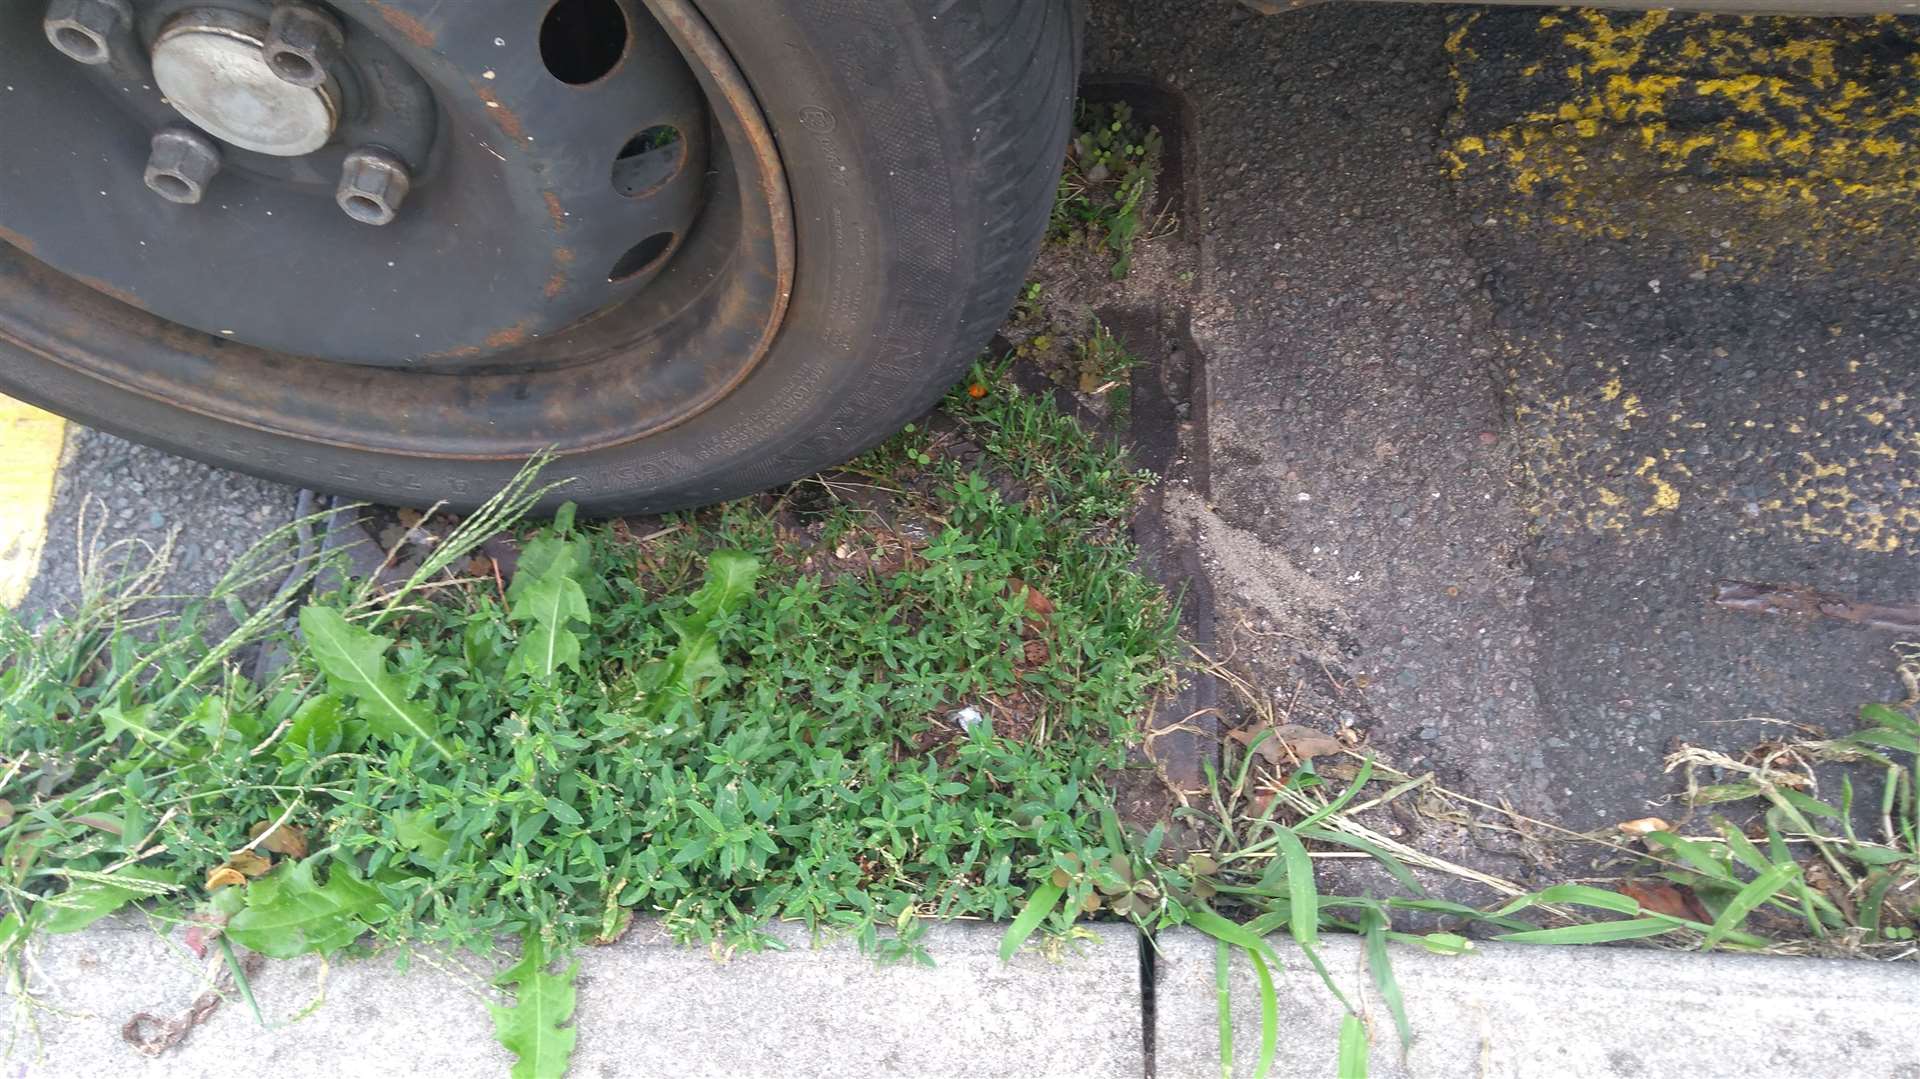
1515 1010
646 1008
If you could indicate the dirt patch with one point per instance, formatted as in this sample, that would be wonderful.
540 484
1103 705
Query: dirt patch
1259 574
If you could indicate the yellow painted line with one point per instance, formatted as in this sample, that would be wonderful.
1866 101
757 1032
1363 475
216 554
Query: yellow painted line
30 445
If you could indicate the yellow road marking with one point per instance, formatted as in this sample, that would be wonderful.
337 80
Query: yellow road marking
30 445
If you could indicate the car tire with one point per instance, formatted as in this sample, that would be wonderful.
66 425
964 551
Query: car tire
921 145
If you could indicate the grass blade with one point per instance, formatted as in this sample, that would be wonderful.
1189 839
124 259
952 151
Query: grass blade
1360 780
1596 933
1886 715
1353 1047
240 981
1876 898
1580 895
1326 977
1233 933
1269 1017
1380 966
1461 910
1742 847
1392 865
1223 1000
1031 915
1303 899
1758 890
1696 854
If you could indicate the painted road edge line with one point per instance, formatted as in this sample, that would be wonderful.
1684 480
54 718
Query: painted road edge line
31 442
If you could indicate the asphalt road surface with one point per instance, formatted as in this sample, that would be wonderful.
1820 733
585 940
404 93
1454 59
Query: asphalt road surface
1521 329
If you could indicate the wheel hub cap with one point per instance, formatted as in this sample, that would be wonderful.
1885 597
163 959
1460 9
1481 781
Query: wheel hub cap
212 67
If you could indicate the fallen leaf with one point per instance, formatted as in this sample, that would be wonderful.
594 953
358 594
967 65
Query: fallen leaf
288 839
222 877
1340 770
1037 602
203 928
1643 826
1672 900
250 863
1289 741
1821 877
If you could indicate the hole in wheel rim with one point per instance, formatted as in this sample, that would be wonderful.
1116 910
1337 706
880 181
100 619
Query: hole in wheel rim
292 66
78 43
582 40
365 209
172 186
641 257
648 160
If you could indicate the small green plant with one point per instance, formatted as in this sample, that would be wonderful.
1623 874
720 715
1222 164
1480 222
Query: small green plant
1109 174
733 720
1028 307
1803 880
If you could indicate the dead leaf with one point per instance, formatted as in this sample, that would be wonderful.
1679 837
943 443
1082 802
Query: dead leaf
1643 826
1288 742
1672 900
288 839
249 862
1821 877
1037 602
222 877
1339 770
203 928
6 812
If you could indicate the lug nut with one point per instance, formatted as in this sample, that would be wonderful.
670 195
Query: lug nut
304 44
183 162
373 184
88 30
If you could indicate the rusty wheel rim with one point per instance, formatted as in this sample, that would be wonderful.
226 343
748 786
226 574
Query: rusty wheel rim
635 325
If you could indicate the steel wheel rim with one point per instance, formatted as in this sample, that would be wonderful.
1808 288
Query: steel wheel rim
701 318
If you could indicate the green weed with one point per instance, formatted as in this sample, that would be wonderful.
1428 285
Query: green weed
1802 881
749 713
1109 173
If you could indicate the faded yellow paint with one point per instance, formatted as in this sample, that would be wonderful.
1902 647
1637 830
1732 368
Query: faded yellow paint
1573 469
1754 110
1666 497
30 445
